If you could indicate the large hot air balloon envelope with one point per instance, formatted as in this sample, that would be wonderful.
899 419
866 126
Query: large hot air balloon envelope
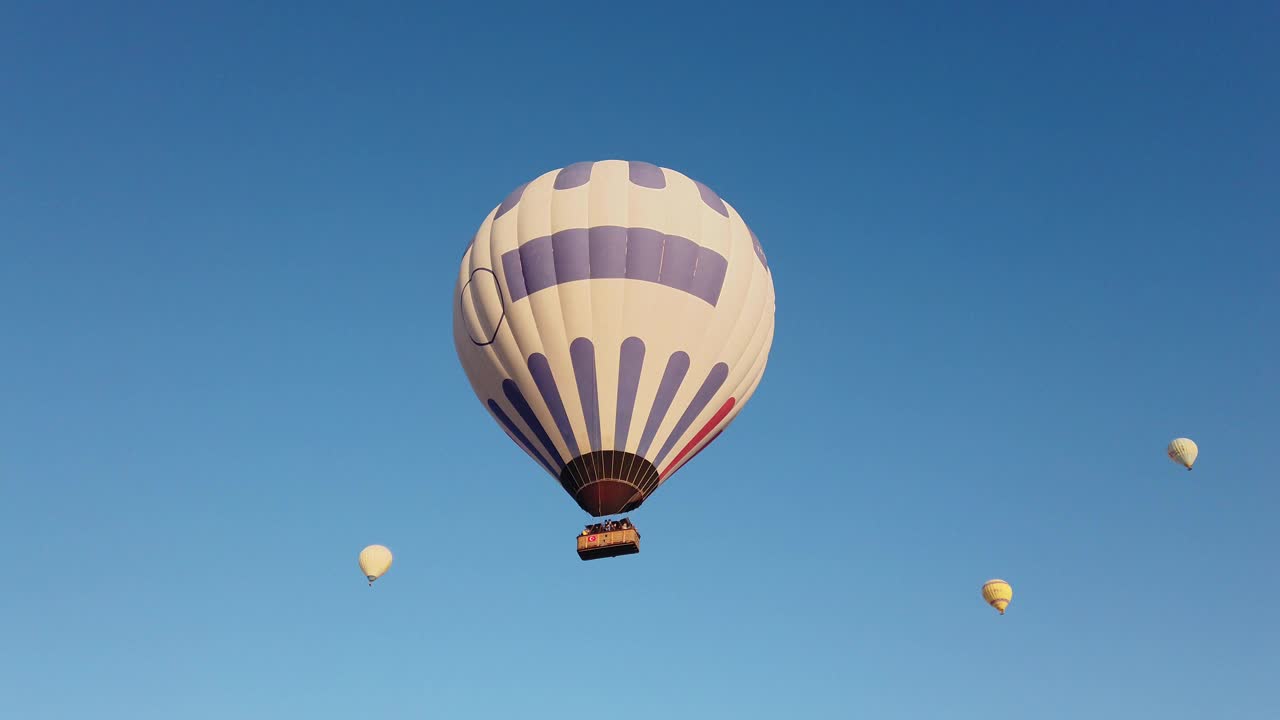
375 561
1184 452
613 317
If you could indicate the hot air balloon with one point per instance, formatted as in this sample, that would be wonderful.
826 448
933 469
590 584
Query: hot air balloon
375 560
613 317
1183 451
997 593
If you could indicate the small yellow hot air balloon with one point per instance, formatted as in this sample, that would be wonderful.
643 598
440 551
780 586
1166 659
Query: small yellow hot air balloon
997 593
1183 451
375 560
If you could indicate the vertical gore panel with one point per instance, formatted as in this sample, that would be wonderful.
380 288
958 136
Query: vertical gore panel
542 375
583 354
521 405
520 437
710 386
677 366
629 367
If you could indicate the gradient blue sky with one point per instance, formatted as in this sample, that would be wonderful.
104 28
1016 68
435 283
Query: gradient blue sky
1016 250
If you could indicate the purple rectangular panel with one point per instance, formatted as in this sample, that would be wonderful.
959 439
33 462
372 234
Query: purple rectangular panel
538 264
608 252
708 276
646 175
515 275
614 252
678 259
644 254
569 248
576 175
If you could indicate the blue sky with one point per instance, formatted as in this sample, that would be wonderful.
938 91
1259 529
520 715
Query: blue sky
1016 251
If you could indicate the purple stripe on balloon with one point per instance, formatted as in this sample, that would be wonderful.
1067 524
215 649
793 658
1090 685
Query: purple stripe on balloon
710 386
583 354
679 258
644 254
755 245
517 401
629 367
511 427
608 252
574 175
708 276
511 201
677 366
542 375
614 252
711 199
646 175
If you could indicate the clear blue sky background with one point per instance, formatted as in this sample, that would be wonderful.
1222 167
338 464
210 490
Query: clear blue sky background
1016 251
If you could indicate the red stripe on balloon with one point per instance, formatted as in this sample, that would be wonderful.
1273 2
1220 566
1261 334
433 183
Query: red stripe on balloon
714 421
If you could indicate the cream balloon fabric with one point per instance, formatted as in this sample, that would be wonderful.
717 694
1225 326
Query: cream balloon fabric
613 317
1184 452
375 560
998 594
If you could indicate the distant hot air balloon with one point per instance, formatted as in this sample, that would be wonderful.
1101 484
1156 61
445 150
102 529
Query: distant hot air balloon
375 560
997 593
1183 451
613 317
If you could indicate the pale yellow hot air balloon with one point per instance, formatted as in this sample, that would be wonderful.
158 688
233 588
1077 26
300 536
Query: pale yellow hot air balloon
375 560
1183 451
997 593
